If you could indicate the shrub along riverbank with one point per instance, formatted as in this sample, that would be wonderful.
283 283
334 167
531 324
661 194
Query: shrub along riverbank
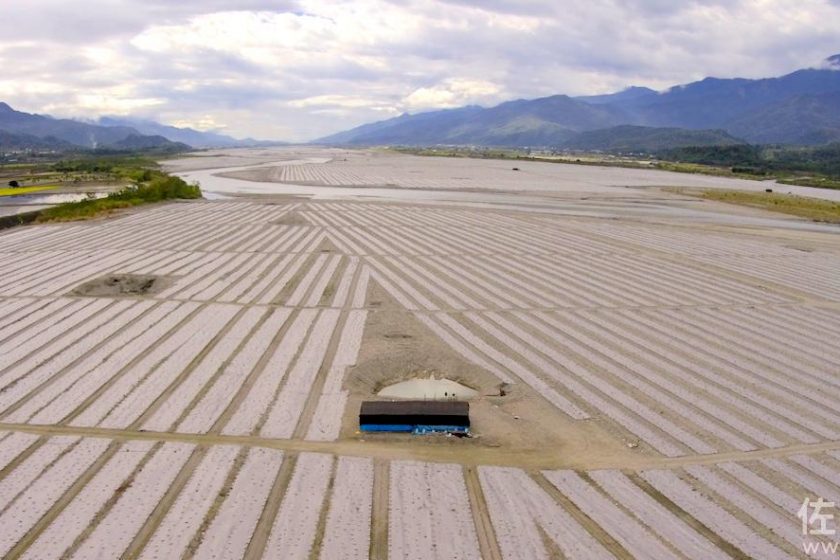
165 187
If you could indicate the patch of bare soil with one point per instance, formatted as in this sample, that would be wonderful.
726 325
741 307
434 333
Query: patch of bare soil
397 347
292 219
116 285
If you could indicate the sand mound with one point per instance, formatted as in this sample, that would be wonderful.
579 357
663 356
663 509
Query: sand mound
397 347
428 388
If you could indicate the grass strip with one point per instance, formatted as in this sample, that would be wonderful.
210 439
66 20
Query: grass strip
14 191
815 209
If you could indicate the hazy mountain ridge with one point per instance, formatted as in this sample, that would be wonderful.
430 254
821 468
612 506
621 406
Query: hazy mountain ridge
144 142
52 133
633 93
184 135
715 102
544 121
23 130
189 136
13 141
802 107
629 138
70 131
817 116
424 127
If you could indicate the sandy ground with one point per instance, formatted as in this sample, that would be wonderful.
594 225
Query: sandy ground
335 172
669 368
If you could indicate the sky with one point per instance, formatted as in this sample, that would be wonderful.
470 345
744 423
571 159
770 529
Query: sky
299 69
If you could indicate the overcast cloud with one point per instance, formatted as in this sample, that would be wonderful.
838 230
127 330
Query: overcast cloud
297 70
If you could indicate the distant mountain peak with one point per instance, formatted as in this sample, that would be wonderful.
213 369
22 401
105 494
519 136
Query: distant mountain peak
5 108
632 93
637 90
833 62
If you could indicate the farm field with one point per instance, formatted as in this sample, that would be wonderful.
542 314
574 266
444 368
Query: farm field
9 191
184 380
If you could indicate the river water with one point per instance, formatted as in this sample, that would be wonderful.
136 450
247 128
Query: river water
19 204
608 200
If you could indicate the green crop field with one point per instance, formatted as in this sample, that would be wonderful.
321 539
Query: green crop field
9 191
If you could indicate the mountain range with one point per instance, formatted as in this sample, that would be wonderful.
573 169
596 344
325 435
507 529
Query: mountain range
802 107
189 136
26 131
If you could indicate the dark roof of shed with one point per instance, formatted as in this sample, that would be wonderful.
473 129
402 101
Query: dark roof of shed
439 408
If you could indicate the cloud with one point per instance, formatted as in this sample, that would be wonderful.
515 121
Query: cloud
342 101
299 69
452 92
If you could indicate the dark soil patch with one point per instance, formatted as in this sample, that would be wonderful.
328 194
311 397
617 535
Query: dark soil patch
122 285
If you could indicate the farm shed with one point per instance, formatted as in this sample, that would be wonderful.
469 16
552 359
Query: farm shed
415 416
